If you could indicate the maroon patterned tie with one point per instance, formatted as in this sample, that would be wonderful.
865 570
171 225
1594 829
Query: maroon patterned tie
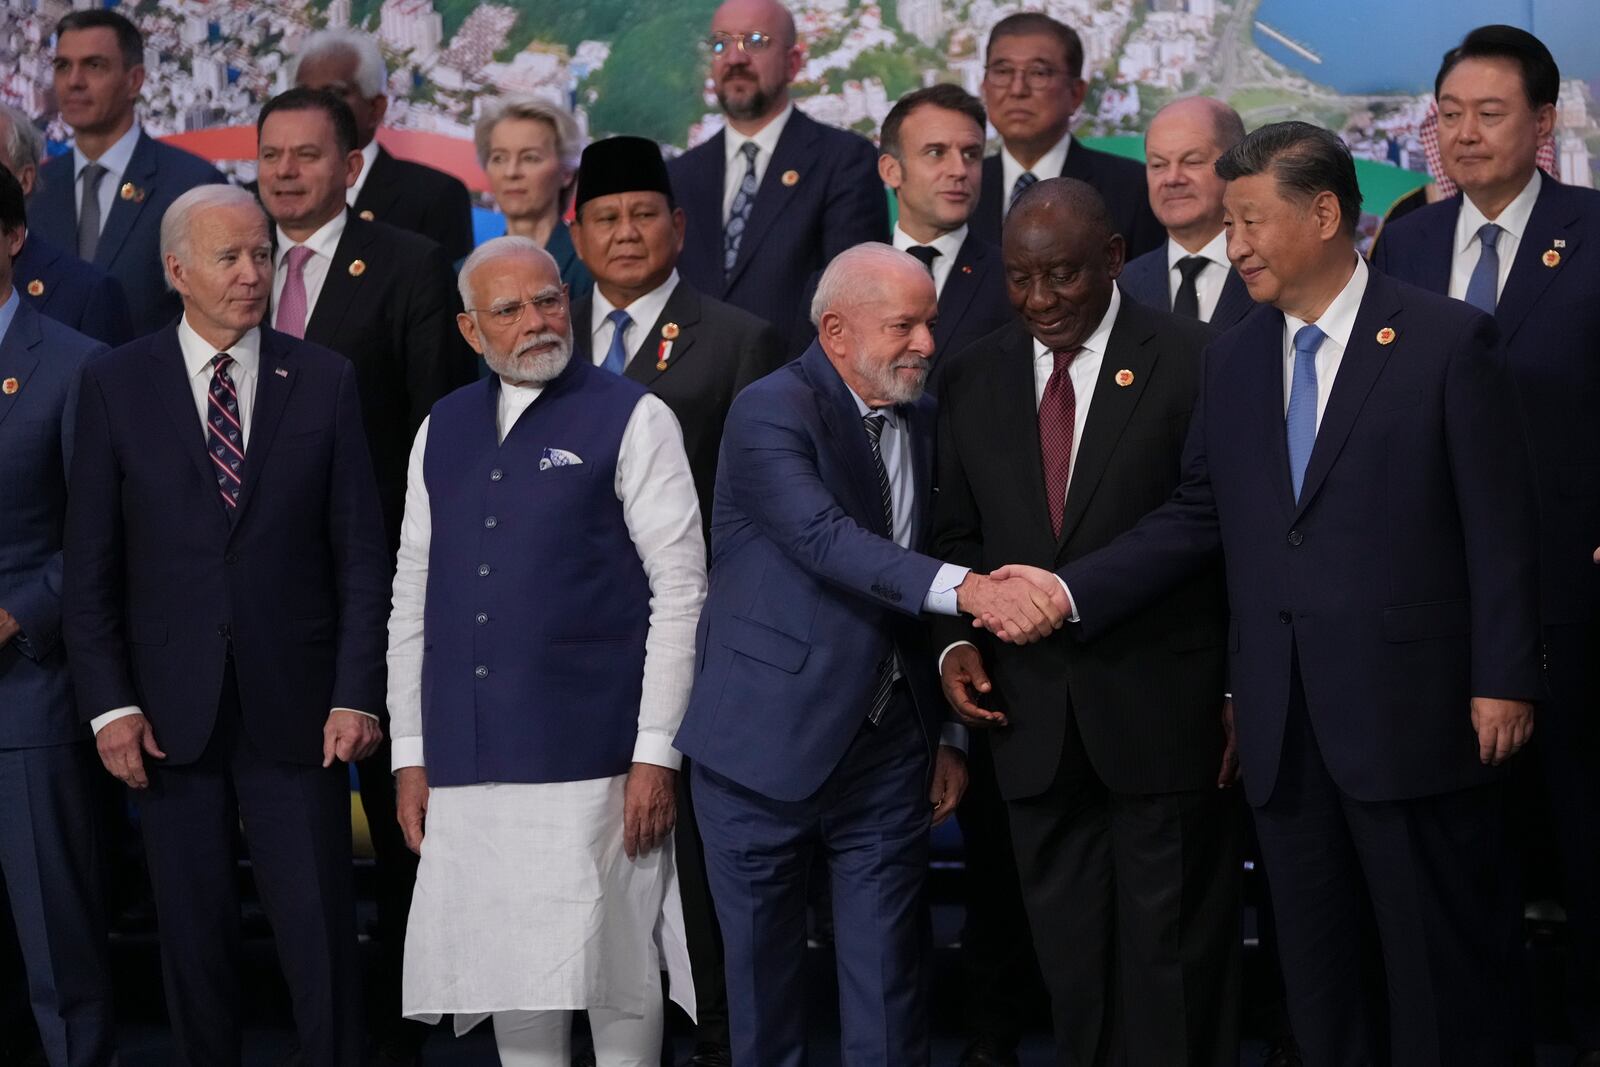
1057 410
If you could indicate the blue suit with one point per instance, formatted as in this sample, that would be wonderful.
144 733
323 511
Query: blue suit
807 597
47 855
1365 616
1549 316
76 294
835 200
130 236
1145 278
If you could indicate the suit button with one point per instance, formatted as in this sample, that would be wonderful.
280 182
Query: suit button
483 619
223 631
496 474
1284 617
231 557
490 523
483 570
1296 538
481 671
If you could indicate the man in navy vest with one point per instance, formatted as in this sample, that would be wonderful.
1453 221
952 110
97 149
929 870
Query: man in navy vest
541 649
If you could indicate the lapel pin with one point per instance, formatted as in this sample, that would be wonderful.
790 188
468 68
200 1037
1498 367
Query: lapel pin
10 386
280 372
357 268
670 331
1559 242
664 350
790 177
1124 377
367 215
1552 258
966 269
36 288
130 191
1386 336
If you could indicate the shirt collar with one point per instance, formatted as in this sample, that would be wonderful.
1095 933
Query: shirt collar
1048 166
198 353
1339 320
765 138
1098 340
324 242
114 159
645 310
369 156
8 312
1216 250
1513 220
891 417
948 244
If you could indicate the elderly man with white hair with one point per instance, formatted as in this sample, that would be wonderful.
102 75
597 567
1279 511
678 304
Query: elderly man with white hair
541 651
400 192
224 595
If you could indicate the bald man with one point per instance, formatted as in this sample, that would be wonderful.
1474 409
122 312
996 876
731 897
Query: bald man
1189 274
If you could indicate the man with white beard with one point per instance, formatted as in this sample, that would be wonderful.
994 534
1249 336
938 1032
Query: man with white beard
541 650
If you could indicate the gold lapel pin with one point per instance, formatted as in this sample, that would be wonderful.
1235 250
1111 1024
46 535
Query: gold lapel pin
357 268
130 191
1552 258
670 331
367 215
790 177
10 386
1124 377
36 288
1385 336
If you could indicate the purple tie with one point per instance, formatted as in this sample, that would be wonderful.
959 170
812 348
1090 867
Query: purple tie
292 301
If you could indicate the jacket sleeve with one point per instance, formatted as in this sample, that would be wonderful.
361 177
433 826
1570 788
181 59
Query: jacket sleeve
361 561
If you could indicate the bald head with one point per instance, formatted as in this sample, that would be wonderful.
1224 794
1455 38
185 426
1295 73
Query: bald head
769 13
874 312
754 57
1184 140
1224 125
1062 260
1066 202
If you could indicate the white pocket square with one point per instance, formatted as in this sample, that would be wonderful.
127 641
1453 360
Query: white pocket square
558 457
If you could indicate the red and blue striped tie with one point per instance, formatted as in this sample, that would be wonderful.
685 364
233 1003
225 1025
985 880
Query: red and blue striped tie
224 431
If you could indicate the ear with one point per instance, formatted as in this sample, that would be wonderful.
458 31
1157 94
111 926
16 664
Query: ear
1076 91
830 329
680 224
13 240
1116 255
380 108
1544 121
469 330
175 274
793 62
136 78
352 167
1330 221
890 171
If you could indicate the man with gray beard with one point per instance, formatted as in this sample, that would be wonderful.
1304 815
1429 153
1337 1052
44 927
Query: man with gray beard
551 571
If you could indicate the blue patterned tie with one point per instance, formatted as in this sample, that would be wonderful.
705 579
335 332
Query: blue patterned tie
739 216
1025 179
1485 280
224 433
884 685
617 354
1301 421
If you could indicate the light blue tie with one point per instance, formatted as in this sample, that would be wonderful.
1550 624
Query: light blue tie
1301 422
1485 280
739 214
617 354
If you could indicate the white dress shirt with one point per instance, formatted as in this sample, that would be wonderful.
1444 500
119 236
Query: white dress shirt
115 160
1048 166
1336 323
1208 283
1513 223
644 312
766 140
369 156
323 244
662 513
949 246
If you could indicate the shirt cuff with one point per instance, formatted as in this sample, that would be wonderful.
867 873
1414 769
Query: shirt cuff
941 598
357 711
100 722
405 752
953 735
946 652
1074 616
656 749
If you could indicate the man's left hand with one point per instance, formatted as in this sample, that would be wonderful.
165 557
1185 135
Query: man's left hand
1503 727
349 736
9 627
649 808
949 782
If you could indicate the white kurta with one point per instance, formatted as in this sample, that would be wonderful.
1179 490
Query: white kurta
525 900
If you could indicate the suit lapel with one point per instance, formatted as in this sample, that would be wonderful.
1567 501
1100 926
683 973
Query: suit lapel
341 290
17 358
959 288
986 221
700 193
919 423
1262 385
170 379
1016 411
378 192
843 422
582 328
272 394
793 152
1529 276
141 175
52 209
682 308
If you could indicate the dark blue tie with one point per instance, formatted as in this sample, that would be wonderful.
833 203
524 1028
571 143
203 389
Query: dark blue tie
1301 421
739 215
617 354
1025 179
884 685
224 432
1483 286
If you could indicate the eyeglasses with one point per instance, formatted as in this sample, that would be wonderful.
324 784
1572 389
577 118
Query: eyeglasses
720 44
1001 75
546 304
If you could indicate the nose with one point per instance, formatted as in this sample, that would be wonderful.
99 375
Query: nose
1040 296
1467 127
921 341
1238 247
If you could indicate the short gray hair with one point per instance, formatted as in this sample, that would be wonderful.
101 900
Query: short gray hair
372 76
497 248
24 144
175 224
851 272
569 142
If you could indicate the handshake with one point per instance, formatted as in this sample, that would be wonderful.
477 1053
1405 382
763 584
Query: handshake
1017 604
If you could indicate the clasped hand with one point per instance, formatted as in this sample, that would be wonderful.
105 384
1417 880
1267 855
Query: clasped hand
1017 604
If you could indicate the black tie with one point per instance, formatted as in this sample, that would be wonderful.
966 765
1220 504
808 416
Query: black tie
926 253
886 669
1187 302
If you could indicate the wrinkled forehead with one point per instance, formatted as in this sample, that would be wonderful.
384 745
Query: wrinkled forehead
513 276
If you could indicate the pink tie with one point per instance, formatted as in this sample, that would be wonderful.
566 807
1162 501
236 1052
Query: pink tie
292 301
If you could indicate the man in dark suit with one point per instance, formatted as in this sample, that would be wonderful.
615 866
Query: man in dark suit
775 195
48 867
1354 455
224 603
1189 274
1033 84
400 192
1526 249
105 199
1111 752
815 724
76 294
696 354
384 299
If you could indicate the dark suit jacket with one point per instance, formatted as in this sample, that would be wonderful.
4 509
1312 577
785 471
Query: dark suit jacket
718 351
1147 694
807 592
36 428
130 237
1146 280
161 578
1404 580
396 321
76 294
836 201
1120 181
1549 318
416 197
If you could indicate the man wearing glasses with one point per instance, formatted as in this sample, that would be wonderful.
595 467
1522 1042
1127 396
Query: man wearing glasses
776 195
1032 85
